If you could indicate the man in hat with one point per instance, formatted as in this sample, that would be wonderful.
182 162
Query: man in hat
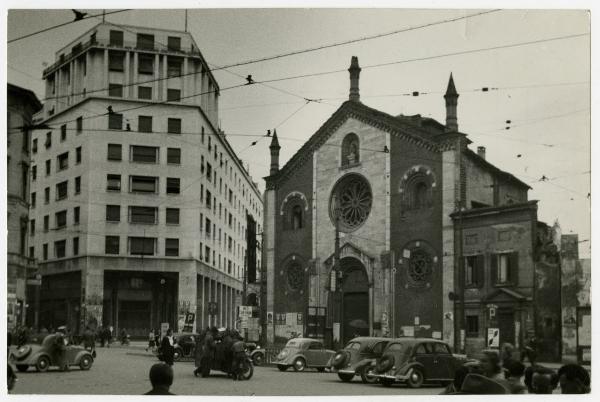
60 345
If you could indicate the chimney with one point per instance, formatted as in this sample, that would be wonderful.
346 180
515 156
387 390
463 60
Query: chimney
481 152
354 71
451 98
274 147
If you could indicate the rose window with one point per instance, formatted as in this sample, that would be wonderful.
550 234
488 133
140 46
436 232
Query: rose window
295 275
353 197
419 268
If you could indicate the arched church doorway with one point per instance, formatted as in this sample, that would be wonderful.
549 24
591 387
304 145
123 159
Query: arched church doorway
355 304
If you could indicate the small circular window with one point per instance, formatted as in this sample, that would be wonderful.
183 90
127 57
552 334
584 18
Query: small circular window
352 200
295 275
419 268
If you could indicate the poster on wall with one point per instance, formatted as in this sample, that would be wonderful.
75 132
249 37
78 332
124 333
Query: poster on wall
493 337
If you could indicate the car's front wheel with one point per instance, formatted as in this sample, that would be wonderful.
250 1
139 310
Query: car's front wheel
364 375
282 367
22 367
42 364
345 377
257 359
86 362
299 364
415 378
248 371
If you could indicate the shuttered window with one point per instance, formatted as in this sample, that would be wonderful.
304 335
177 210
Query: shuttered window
145 41
146 64
171 247
173 216
474 270
145 92
174 155
142 245
116 61
505 268
111 245
174 126
143 184
144 154
146 215
114 152
113 213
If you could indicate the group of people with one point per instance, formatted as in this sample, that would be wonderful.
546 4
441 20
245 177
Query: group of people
225 345
501 373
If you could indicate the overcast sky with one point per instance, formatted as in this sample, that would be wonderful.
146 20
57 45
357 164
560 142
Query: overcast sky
543 88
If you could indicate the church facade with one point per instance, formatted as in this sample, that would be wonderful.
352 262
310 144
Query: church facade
361 229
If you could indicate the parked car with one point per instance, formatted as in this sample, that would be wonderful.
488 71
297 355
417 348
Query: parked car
357 357
414 361
43 356
257 354
301 353
185 346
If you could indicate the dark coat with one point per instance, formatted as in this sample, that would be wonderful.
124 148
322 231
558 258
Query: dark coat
167 351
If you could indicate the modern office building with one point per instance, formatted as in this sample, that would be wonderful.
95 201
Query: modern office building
21 105
139 205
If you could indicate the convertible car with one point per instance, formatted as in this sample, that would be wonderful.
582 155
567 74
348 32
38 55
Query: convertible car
357 358
301 353
43 356
415 361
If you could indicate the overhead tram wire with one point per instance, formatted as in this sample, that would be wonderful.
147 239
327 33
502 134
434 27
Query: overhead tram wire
64 24
300 51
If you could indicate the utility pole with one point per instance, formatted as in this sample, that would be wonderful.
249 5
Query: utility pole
337 267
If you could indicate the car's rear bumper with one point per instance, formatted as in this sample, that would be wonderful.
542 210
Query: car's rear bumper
389 377
346 371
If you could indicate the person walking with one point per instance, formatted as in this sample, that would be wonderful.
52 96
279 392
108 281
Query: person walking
208 351
198 352
60 345
167 347
530 349
150 340
161 378
239 357
89 341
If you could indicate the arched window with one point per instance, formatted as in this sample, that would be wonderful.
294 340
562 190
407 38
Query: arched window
297 221
420 195
416 187
350 150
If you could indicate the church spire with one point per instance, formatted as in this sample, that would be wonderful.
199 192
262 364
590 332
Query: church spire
274 147
451 98
354 71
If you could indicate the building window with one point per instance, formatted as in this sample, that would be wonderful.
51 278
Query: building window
145 41
145 92
208 199
295 275
75 245
78 185
144 154
79 124
351 199
143 184
113 182
174 67
33 199
202 135
115 90
48 142
208 171
76 215
45 251
171 247
146 215
61 190
142 245
116 61
46 223
472 326
48 167
146 64
174 126
207 226
174 155
173 216
113 213
61 219
63 161
174 43
350 150
33 173
145 124
115 121
505 268
474 270
114 152
78 155
420 268
32 227
207 254
111 245
31 252
63 132
60 247
173 95
173 185
116 38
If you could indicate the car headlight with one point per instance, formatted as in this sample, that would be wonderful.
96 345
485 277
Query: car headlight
282 354
258 347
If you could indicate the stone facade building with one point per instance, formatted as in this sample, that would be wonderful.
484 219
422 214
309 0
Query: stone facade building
22 104
140 205
403 190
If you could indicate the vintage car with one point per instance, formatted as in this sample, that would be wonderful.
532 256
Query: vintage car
301 353
185 346
257 354
357 357
43 356
415 361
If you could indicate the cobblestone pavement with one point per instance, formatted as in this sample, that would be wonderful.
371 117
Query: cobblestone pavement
124 371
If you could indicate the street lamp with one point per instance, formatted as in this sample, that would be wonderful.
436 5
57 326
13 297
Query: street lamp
336 270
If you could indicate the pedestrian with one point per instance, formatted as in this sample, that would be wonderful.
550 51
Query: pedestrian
167 347
530 348
208 351
161 378
490 363
506 352
89 341
540 380
514 371
60 345
239 357
227 343
150 340
198 352
573 379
